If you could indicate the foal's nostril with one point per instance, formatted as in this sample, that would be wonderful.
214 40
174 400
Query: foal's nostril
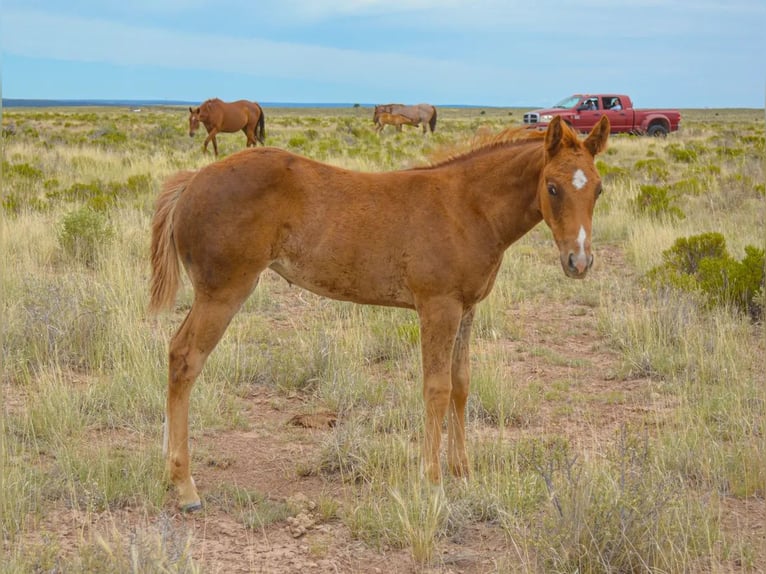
578 266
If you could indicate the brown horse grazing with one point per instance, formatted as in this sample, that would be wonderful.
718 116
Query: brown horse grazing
424 114
218 116
397 120
430 239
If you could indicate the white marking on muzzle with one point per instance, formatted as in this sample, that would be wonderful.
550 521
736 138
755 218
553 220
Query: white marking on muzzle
579 179
581 237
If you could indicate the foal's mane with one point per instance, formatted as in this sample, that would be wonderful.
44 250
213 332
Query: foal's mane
482 141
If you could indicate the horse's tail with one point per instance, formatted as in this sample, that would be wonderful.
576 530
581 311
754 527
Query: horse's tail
259 133
432 121
165 266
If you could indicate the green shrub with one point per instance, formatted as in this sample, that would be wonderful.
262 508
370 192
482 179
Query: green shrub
687 252
139 183
654 167
655 201
691 185
607 170
22 170
109 135
727 280
702 264
728 152
12 203
688 153
297 142
83 234
99 195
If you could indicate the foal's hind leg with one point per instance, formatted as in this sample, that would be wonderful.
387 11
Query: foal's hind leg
456 455
193 342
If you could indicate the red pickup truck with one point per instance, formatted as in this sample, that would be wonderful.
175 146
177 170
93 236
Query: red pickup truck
582 112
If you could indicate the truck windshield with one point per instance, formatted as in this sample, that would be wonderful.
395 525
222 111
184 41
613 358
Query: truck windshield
568 103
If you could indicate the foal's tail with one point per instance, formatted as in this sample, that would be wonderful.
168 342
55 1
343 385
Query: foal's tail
165 267
432 121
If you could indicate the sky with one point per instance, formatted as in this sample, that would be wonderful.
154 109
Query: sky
662 53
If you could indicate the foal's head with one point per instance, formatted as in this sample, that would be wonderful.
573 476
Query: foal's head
568 189
193 120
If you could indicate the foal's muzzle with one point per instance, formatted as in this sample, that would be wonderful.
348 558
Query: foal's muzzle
576 266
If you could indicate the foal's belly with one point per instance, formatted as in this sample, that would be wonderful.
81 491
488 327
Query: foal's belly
376 287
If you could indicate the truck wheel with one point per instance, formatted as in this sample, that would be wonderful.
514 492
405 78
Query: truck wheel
657 131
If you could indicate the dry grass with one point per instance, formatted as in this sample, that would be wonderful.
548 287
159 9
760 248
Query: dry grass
612 429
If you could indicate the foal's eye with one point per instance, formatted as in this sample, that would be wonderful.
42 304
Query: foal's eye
552 189
599 191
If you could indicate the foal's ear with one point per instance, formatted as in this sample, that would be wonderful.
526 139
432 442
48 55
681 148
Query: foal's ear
595 143
191 111
557 135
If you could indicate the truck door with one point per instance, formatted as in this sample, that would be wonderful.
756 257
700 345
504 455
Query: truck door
589 111
620 119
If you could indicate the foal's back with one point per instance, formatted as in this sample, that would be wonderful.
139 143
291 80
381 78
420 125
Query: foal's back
366 237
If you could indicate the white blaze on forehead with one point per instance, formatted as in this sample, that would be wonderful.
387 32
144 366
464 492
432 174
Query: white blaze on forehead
579 179
581 240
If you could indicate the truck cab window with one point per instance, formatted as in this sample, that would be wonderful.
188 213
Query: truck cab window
590 104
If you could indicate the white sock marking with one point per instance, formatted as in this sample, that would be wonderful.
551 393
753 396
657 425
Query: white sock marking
579 179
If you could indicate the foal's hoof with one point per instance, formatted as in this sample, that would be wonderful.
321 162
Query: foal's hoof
191 507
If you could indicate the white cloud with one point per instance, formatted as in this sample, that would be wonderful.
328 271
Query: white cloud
90 40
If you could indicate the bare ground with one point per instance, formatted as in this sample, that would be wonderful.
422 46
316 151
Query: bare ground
268 457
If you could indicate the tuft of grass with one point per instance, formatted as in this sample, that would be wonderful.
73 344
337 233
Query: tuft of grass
254 509
421 513
163 548
497 400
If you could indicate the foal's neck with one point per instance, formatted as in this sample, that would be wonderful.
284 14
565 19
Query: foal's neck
502 183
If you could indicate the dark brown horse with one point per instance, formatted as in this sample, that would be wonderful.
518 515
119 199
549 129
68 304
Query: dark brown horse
430 239
218 116
383 119
419 114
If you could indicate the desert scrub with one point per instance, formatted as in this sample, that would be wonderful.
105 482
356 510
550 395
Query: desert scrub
83 234
109 136
691 185
610 171
689 152
21 170
702 264
656 201
654 168
624 516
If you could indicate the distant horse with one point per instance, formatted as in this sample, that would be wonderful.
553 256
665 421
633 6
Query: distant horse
430 239
397 120
420 114
218 116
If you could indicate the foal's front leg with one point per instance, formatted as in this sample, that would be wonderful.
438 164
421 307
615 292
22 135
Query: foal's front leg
461 376
439 320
